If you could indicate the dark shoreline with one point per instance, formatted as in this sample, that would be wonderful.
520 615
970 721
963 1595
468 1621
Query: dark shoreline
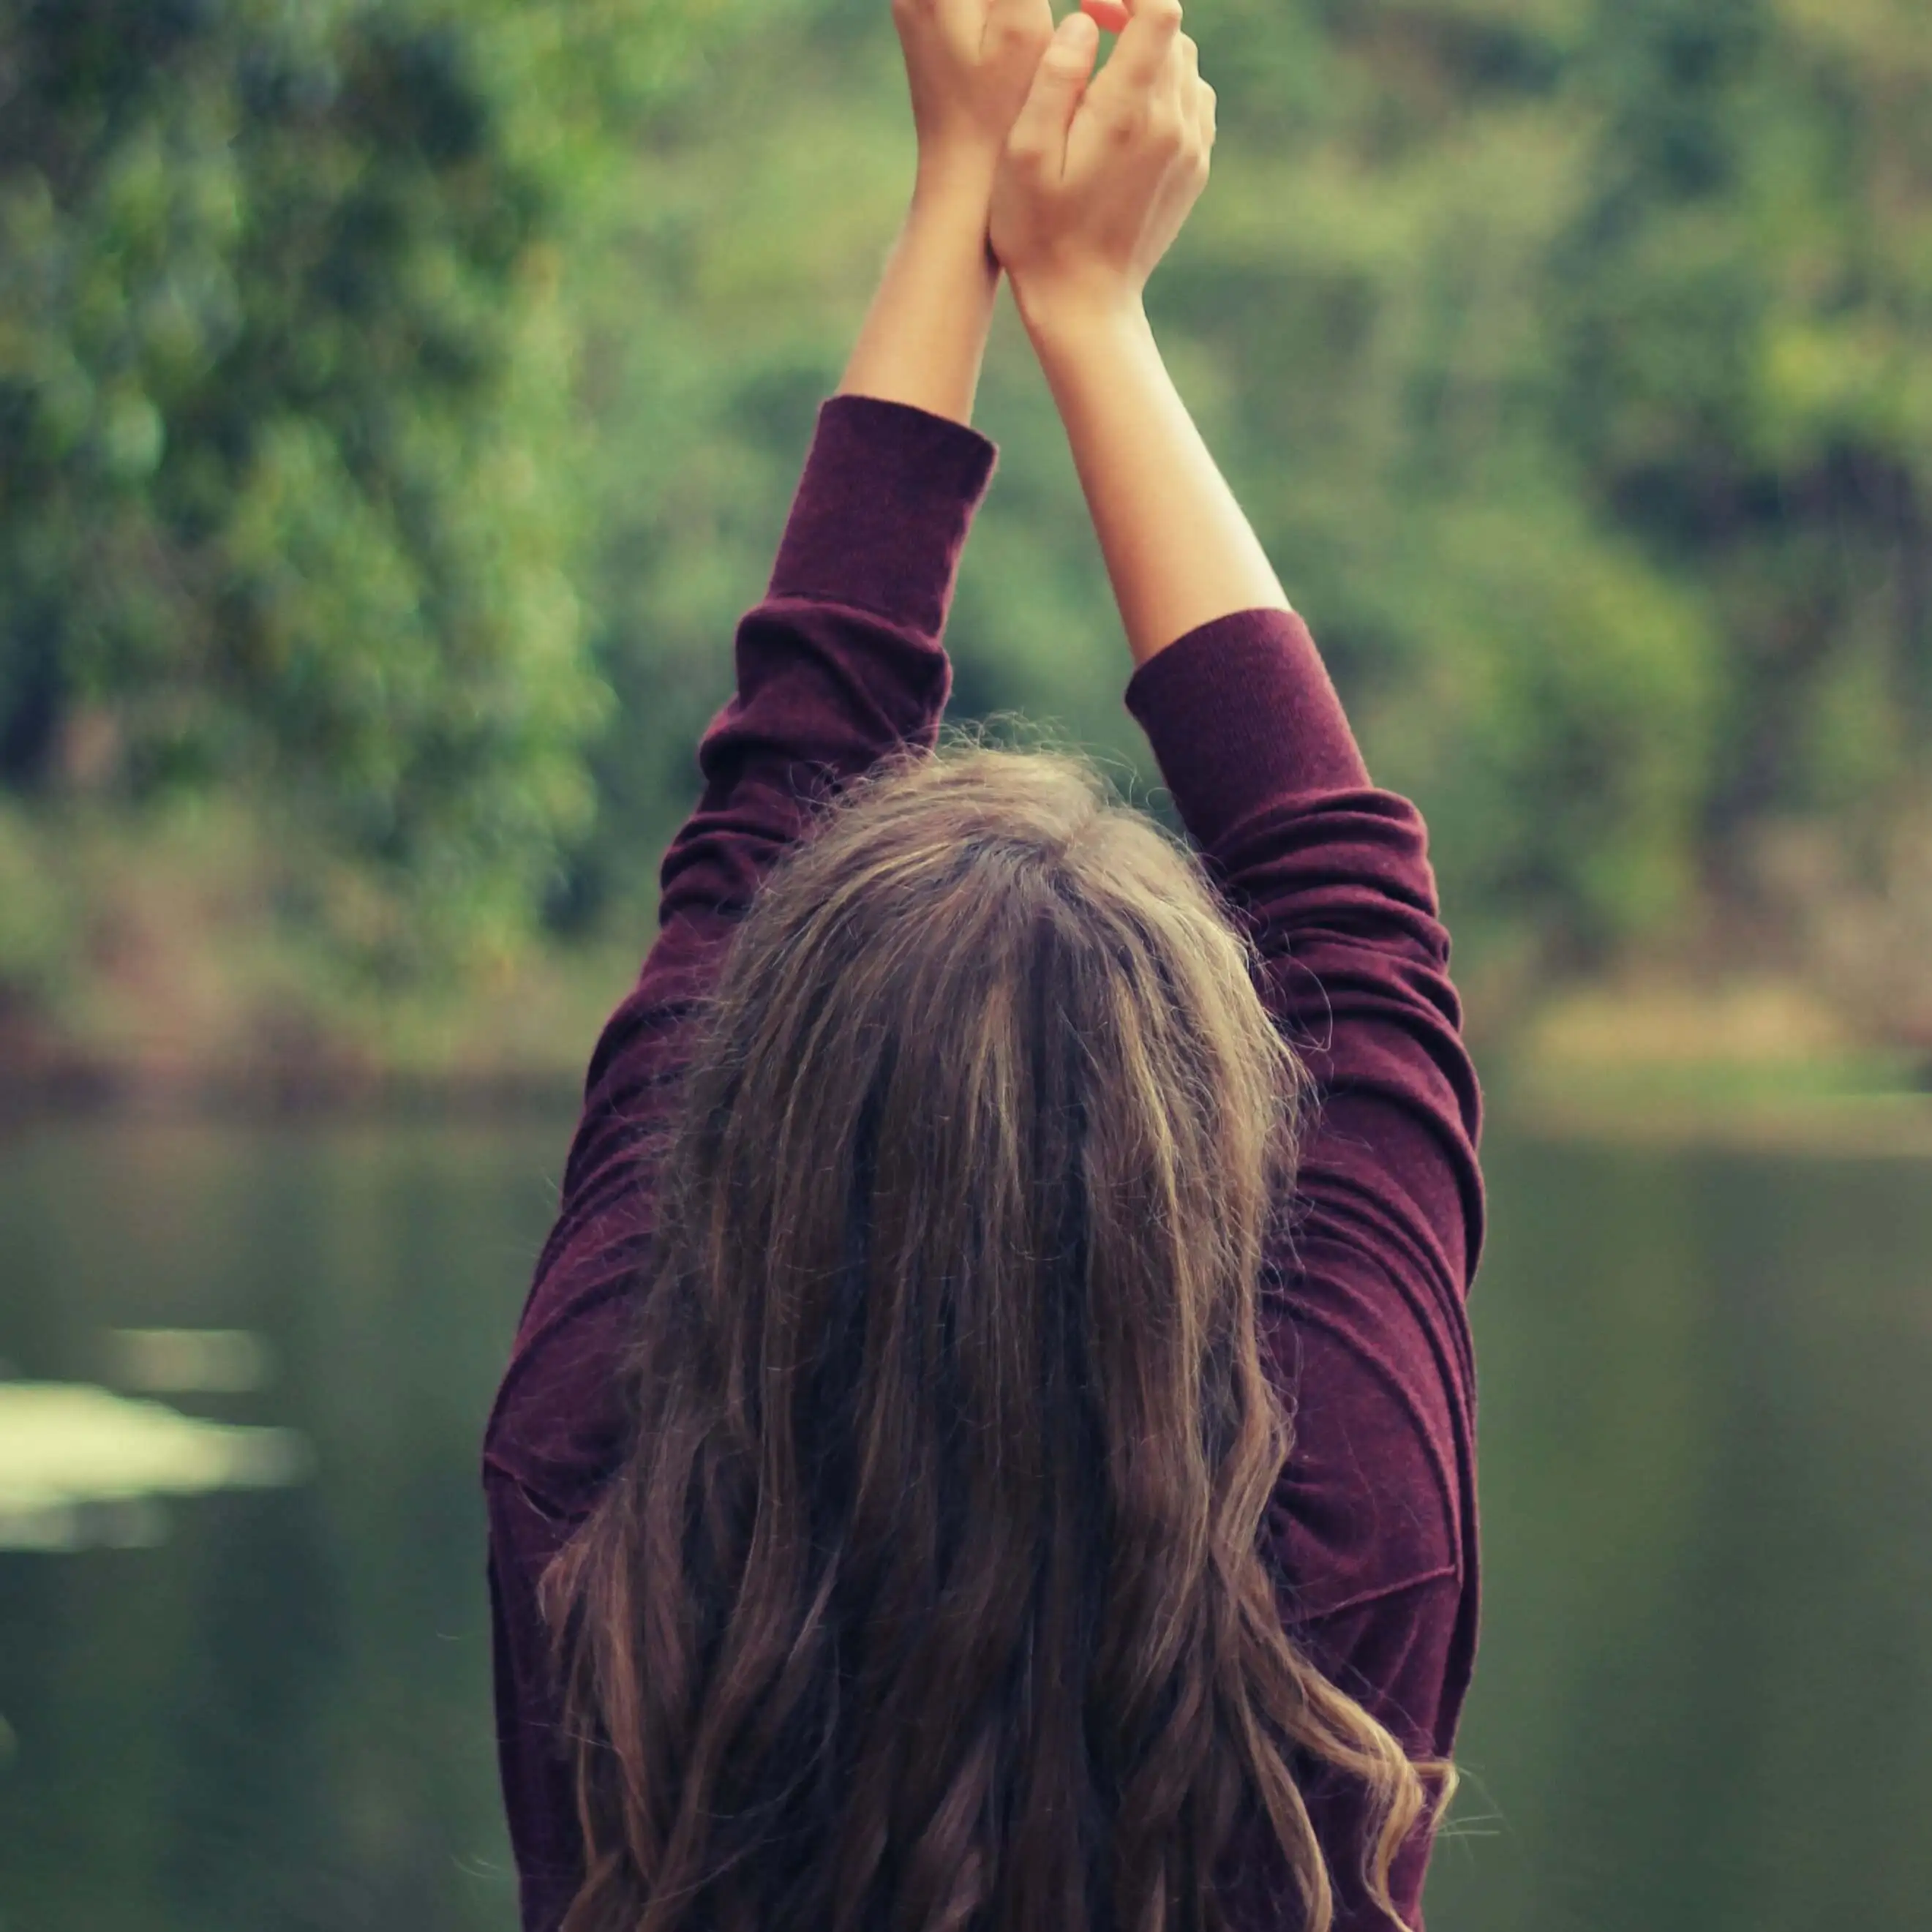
76 1090
1891 1123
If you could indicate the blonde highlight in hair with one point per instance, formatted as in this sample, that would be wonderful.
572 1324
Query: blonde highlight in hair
930 1597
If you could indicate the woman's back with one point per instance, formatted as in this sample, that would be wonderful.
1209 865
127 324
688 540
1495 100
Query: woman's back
894 1520
1372 1523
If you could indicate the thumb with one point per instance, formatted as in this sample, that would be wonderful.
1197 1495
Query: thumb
1062 75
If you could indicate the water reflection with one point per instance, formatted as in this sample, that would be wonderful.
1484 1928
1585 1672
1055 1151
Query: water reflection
190 1361
80 1464
1704 1695
279 1718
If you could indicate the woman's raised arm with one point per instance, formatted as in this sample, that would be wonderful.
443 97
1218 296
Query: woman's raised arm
1373 1519
1179 551
839 664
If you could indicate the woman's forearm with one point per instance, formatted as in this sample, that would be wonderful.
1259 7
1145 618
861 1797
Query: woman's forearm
925 336
1179 549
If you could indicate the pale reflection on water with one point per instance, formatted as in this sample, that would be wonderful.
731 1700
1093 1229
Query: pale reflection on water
190 1361
81 1464
279 1716
1704 1695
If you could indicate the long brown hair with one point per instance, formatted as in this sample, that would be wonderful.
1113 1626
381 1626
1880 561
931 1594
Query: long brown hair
930 1597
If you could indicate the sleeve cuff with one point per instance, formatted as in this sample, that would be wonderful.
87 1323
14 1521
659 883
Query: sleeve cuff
882 510
1240 712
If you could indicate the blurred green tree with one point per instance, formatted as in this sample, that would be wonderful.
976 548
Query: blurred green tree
1745 312
287 421
1569 355
1358 312
388 386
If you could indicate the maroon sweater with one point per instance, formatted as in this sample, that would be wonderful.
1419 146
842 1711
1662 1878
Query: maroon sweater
1374 1520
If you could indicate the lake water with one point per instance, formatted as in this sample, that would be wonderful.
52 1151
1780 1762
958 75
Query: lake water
1704 1700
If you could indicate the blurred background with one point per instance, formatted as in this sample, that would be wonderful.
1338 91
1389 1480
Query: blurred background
400 401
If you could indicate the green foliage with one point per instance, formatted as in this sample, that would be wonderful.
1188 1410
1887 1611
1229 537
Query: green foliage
401 402
287 417
1747 294
1354 315
1569 357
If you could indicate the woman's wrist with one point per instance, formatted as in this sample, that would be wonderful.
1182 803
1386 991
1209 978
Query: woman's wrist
924 337
1178 549
1063 314
955 186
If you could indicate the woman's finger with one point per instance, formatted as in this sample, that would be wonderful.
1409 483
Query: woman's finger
1184 69
1038 134
1013 23
1145 43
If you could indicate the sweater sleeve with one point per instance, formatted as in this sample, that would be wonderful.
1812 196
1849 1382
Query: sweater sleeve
1373 1521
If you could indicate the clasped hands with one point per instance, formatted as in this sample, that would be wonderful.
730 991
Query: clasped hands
1084 185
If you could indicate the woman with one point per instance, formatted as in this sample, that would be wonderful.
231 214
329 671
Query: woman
896 1519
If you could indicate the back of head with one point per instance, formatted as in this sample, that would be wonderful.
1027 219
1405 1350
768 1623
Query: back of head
930 1594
